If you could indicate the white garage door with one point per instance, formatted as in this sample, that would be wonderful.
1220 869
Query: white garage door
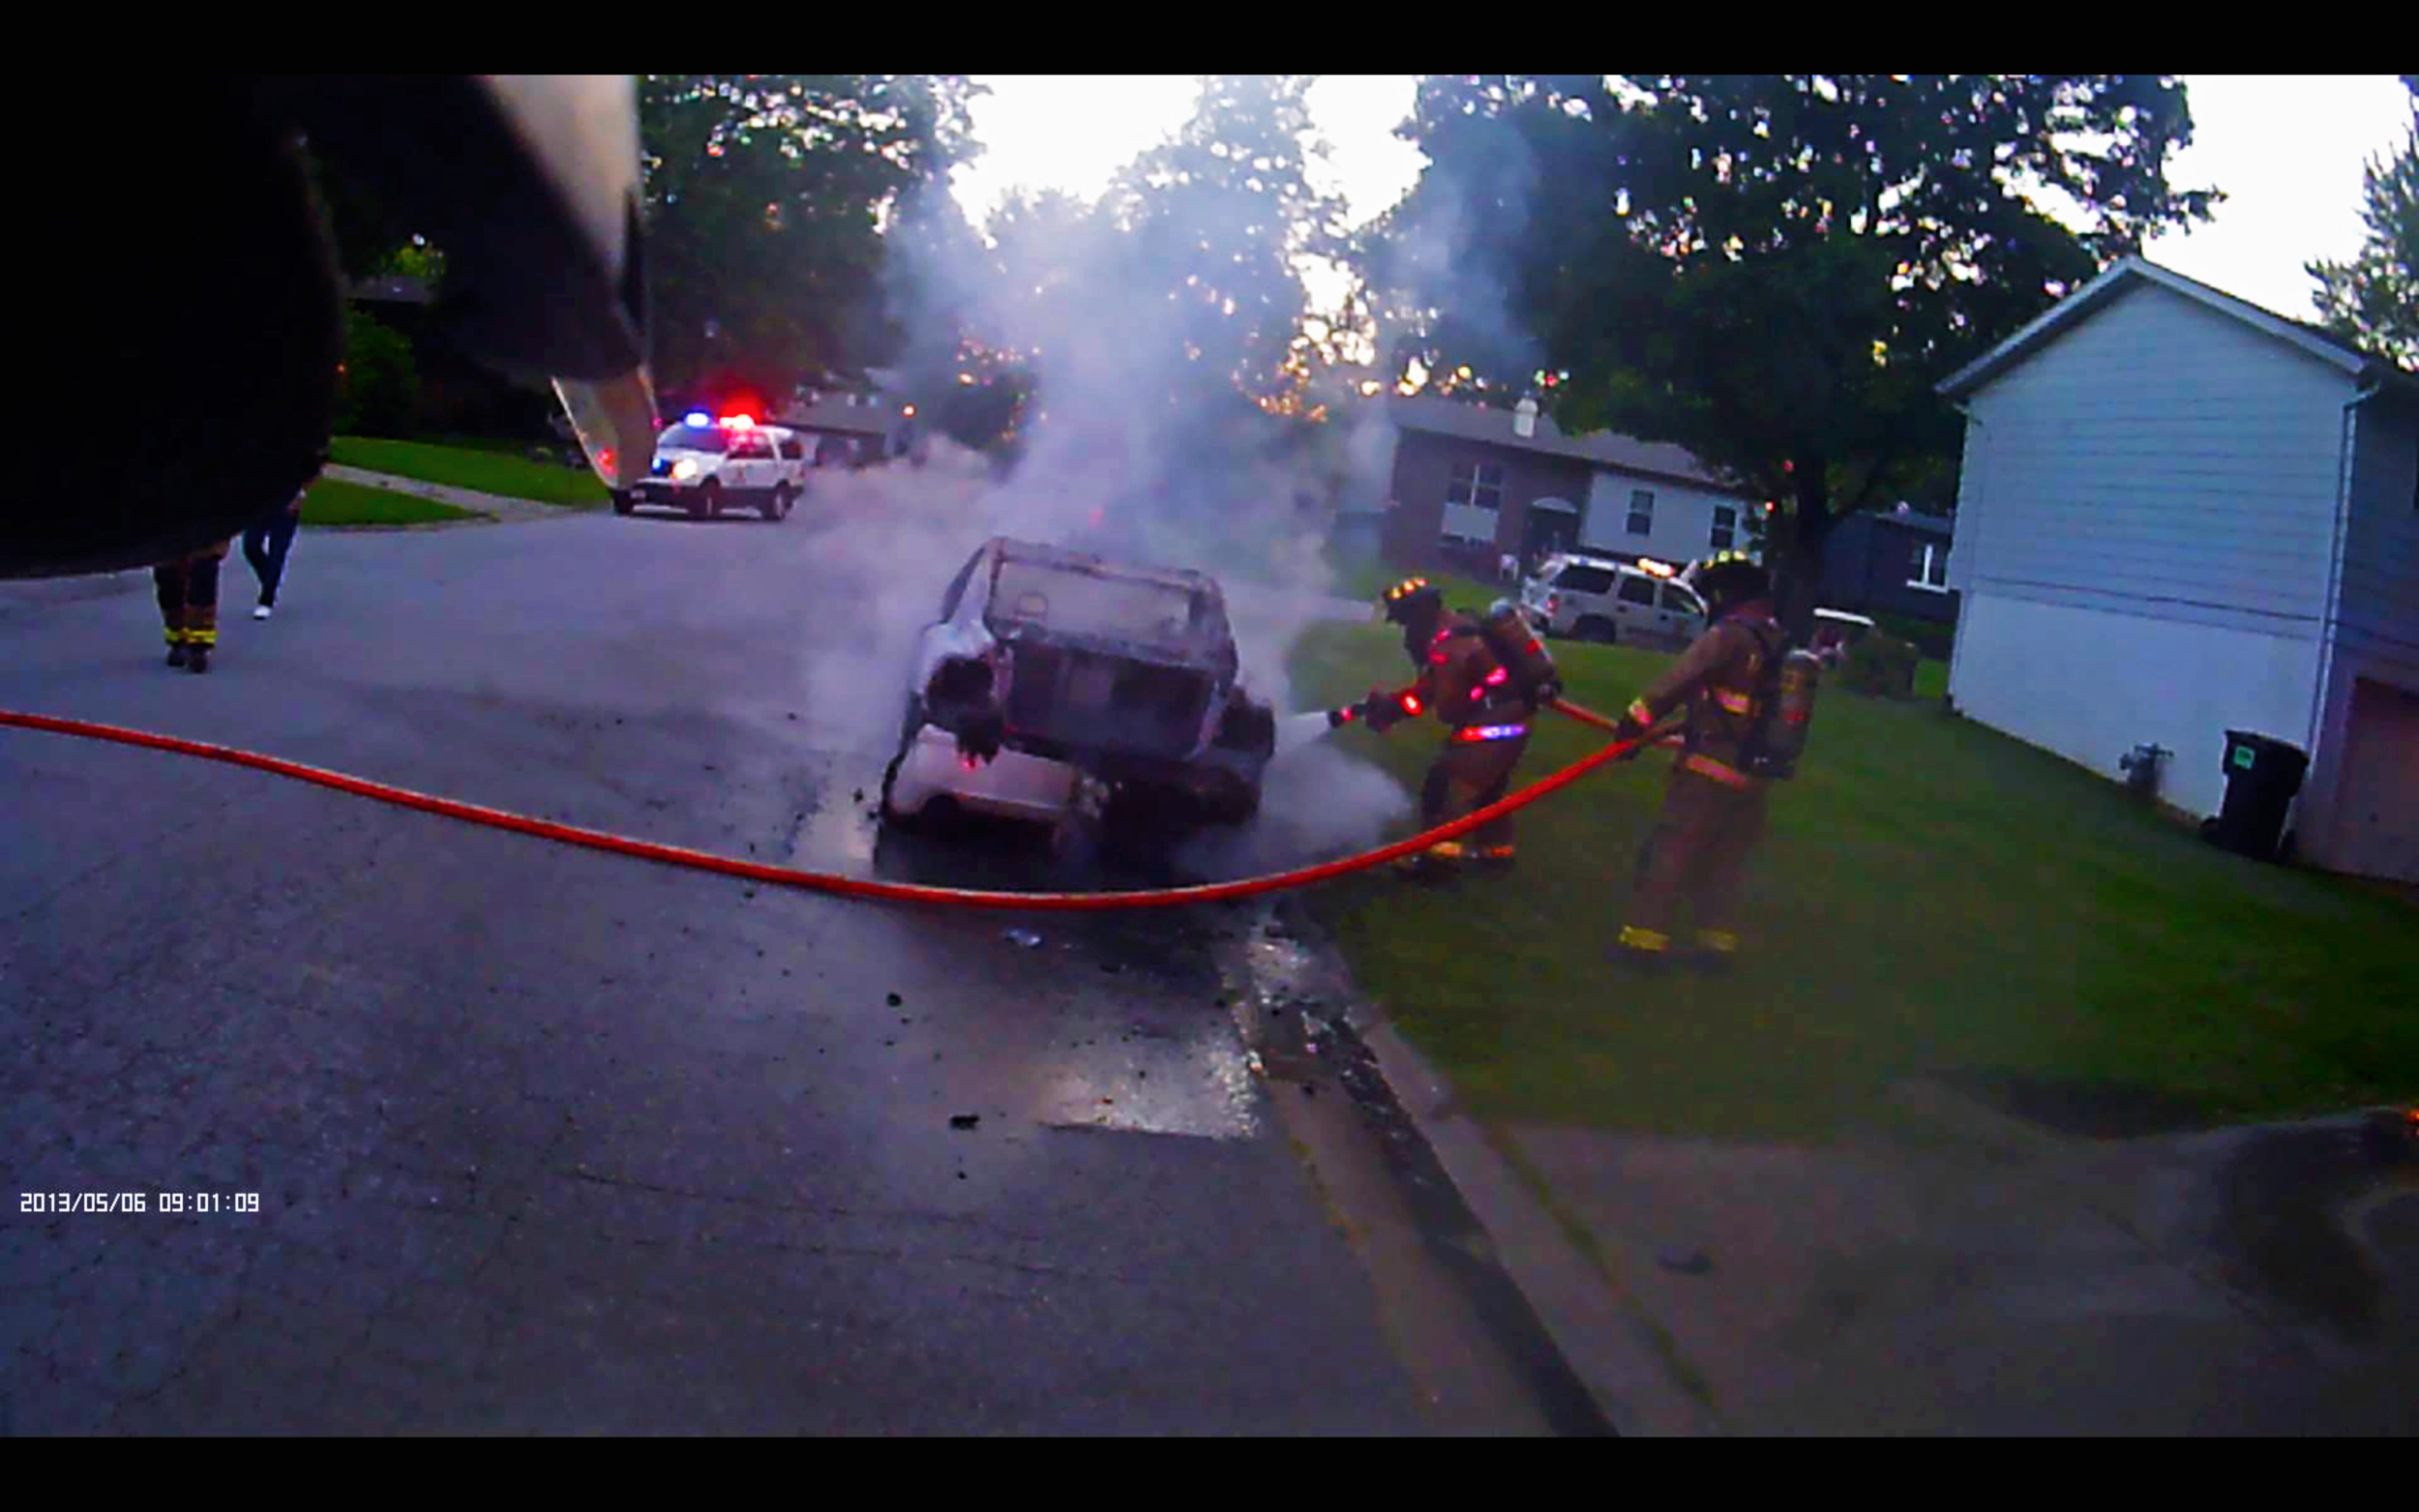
2376 814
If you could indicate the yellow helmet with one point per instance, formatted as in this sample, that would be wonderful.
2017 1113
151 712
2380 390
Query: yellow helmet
1727 578
1407 596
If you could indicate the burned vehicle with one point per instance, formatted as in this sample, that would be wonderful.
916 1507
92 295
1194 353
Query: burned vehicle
1056 683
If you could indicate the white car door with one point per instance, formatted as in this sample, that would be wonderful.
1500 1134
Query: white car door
1633 605
1680 614
792 465
751 462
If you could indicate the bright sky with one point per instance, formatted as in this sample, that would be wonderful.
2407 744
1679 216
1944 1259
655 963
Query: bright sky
2286 149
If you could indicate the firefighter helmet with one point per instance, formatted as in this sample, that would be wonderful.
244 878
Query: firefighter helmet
1411 599
1728 578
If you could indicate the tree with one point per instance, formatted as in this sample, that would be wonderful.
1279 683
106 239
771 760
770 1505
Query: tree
1217 220
378 383
765 198
2373 299
1772 271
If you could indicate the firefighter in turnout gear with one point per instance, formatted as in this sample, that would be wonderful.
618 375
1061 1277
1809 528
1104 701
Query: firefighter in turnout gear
1486 708
189 604
1712 814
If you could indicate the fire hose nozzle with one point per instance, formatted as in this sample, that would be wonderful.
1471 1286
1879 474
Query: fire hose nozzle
1337 719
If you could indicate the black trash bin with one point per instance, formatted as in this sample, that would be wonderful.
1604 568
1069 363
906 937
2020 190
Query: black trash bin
2262 774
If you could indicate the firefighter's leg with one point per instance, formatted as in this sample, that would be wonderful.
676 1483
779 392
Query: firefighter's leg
1472 770
1730 843
1493 839
201 611
1670 861
1434 808
167 580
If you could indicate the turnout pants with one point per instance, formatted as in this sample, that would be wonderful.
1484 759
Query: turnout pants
1695 858
188 597
1466 776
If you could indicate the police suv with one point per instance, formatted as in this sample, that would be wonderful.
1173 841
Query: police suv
707 465
1595 598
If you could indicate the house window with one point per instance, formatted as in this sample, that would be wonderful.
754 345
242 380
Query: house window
1478 483
1725 526
1641 512
1930 566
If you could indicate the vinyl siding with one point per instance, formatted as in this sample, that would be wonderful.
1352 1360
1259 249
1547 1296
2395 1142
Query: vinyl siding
2159 459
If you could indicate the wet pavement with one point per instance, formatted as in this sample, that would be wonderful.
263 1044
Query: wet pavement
542 1139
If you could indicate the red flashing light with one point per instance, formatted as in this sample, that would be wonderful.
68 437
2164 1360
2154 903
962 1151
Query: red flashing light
740 422
1411 703
605 457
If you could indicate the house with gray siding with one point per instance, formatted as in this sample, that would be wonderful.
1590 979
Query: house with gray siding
1890 564
1471 484
2179 515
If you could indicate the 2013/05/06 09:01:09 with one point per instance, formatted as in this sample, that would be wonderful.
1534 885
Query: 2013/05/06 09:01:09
170 1202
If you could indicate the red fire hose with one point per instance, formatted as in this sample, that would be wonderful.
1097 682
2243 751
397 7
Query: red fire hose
849 887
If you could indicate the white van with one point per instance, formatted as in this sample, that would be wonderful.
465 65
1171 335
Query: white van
705 466
1595 598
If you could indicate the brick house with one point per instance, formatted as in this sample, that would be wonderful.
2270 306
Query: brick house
1470 483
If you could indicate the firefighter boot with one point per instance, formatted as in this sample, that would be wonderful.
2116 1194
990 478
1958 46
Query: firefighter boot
197 658
1716 952
176 649
1441 861
1641 951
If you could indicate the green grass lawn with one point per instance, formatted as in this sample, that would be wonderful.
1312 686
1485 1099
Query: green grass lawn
1934 896
468 467
333 503
1366 580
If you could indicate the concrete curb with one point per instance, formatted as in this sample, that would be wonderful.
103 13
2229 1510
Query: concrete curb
1599 1331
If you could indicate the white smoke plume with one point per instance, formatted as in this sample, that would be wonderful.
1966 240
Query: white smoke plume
1129 452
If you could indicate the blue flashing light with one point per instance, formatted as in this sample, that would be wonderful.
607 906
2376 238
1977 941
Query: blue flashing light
697 417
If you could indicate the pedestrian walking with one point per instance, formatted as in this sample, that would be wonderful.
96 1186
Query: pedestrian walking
266 545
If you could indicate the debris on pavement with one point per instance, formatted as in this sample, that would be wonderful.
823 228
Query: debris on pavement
964 1121
895 999
1686 1259
1025 937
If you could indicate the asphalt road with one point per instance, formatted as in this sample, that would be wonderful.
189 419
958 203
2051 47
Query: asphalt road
549 1140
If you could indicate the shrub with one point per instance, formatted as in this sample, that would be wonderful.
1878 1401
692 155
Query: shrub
1880 664
1932 637
377 391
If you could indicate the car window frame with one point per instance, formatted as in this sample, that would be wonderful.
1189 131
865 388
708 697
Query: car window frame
1623 582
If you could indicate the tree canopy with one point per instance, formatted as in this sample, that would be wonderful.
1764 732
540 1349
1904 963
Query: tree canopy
1773 271
766 196
2373 299
1174 301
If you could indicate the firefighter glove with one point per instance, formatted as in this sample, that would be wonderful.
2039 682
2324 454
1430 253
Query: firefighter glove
1381 712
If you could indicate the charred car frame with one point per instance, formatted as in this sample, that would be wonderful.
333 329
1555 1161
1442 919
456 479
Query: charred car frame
1054 678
